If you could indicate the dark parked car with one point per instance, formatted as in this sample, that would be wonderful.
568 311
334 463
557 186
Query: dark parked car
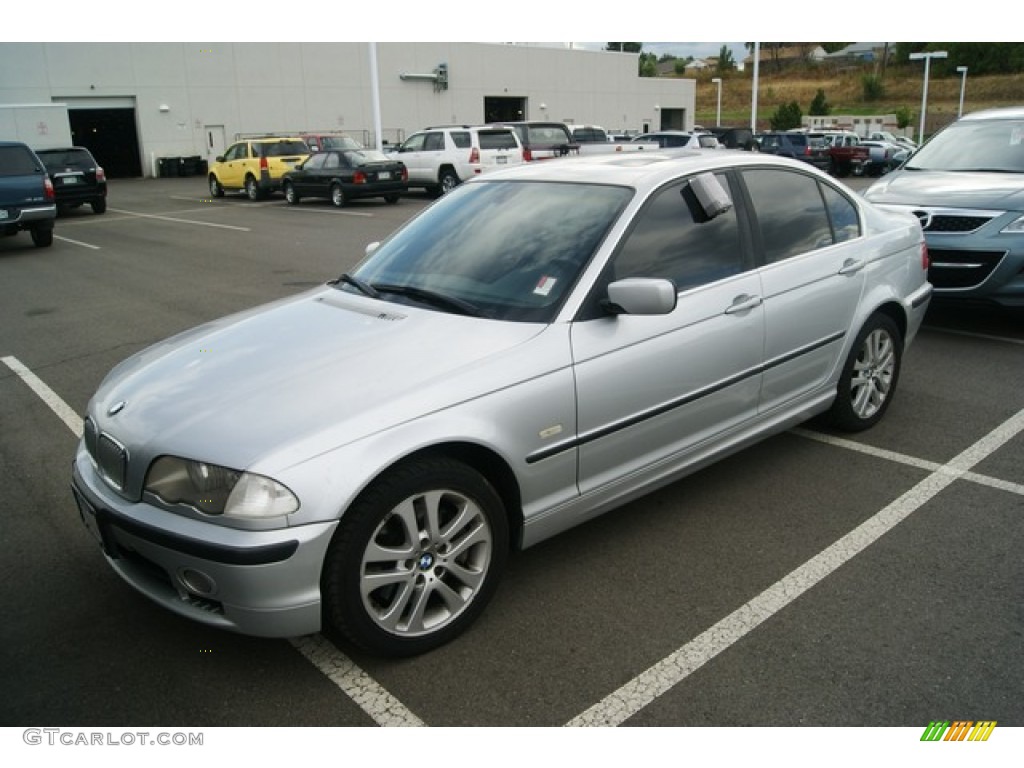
735 138
27 200
77 177
544 140
343 175
798 146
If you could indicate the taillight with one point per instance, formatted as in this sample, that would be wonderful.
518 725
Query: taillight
474 155
359 177
527 154
264 165
925 259
48 192
100 175
405 174
807 150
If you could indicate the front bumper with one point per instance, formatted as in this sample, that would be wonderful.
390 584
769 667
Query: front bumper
262 583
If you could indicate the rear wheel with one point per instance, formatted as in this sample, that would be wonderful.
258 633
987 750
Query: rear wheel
448 181
42 237
868 381
338 196
391 199
99 205
416 558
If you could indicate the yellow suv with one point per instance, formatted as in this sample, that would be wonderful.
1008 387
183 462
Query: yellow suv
255 166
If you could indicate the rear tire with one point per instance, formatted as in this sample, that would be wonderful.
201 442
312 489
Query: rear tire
252 189
338 196
42 237
448 181
868 381
391 199
99 205
416 558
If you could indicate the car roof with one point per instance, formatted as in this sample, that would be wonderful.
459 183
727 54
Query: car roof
642 170
997 113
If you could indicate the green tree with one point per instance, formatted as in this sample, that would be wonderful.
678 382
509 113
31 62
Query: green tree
819 106
726 62
874 87
903 117
787 117
648 65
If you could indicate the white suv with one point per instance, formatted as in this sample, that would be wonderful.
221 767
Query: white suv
439 159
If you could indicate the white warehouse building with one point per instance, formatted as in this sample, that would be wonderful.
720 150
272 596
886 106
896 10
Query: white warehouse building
135 103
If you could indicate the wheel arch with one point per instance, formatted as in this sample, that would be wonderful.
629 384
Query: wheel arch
488 463
895 312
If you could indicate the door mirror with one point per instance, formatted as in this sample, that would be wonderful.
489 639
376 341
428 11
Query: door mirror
641 296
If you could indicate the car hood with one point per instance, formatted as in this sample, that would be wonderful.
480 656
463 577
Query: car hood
950 189
239 389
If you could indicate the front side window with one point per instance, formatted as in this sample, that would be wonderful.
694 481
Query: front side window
237 152
790 212
673 238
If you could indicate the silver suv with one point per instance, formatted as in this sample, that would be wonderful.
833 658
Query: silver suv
439 159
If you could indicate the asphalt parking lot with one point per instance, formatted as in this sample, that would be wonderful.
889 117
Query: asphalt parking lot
815 579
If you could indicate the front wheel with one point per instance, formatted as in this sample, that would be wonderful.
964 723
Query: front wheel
290 195
868 380
416 558
216 190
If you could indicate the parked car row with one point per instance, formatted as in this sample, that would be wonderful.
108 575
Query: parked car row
36 185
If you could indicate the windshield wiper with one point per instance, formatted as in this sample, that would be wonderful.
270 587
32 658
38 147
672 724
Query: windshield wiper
363 287
430 297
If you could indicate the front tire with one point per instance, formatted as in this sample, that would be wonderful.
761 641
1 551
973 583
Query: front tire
216 190
868 381
290 195
416 558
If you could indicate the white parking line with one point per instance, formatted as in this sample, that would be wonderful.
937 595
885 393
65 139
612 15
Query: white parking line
371 697
76 242
179 221
972 334
620 705
64 411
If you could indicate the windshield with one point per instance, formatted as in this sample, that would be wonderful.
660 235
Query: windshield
974 145
66 158
509 249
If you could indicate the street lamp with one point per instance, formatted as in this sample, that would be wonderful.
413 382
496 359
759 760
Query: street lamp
963 87
927 56
718 114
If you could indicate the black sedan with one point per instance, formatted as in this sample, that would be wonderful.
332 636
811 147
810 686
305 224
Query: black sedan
346 174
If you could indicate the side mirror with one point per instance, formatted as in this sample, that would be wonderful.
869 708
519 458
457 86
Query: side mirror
641 296
219 158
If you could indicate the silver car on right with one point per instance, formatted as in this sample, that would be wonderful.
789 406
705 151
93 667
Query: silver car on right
966 187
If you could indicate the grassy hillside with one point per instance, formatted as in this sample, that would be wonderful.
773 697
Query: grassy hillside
844 92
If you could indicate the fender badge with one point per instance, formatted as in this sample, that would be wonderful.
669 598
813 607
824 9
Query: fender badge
116 408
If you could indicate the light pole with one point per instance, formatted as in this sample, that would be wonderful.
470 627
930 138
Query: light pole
927 56
963 87
718 113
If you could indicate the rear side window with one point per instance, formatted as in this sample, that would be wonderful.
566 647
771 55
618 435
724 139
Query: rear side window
461 139
17 161
798 140
791 213
497 140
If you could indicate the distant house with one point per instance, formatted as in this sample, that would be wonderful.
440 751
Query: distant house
699 65
857 52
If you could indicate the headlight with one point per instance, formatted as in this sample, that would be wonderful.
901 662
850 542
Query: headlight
1015 227
217 490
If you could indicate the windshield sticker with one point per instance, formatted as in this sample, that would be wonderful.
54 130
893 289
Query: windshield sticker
545 286
1016 135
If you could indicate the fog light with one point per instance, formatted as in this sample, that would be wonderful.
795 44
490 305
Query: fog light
197 582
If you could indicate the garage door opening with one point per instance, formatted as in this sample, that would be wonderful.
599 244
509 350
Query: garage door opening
111 136
503 109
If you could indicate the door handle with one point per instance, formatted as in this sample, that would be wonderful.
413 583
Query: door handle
851 267
743 303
